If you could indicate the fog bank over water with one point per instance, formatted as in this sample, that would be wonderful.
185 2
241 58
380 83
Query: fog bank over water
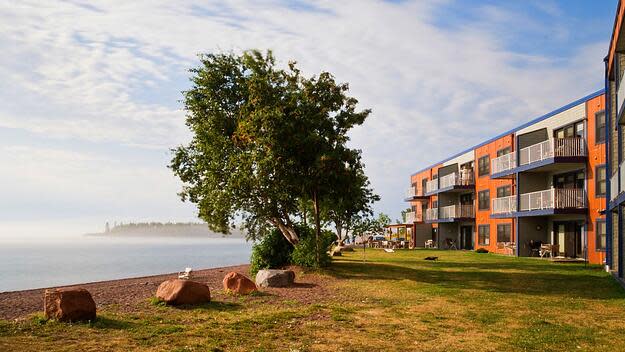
58 230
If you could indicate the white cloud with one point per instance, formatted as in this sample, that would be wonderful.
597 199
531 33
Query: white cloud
95 72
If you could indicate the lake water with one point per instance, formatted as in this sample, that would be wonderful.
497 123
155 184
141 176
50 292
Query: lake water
36 264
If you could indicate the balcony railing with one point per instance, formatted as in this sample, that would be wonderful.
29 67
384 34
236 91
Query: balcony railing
462 178
431 214
504 205
412 192
553 198
620 95
431 186
457 211
413 217
555 147
504 162
614 187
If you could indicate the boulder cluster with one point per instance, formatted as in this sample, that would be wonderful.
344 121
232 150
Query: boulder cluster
75 304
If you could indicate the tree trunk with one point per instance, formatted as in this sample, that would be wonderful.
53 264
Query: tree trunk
339 230
317 226
287 231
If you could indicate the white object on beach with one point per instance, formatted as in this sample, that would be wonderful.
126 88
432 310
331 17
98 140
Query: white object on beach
389 250
186 275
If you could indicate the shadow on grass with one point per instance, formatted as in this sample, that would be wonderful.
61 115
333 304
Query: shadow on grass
105 323
565 280
216 306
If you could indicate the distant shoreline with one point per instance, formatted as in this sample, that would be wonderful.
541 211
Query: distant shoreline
163 235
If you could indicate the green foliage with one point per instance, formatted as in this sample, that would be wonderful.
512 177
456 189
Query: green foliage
481 250
273 251
266 139
304 253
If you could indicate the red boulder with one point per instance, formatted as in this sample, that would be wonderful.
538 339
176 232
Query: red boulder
69 305
238 284
176 292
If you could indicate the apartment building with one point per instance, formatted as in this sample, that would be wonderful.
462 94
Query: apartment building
615 147
539 186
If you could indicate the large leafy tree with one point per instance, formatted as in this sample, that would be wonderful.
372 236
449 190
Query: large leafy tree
265 141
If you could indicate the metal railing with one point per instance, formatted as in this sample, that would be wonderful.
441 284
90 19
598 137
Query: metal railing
550 148
614 187
504 205
504 162
412 192
553 198
410 217
431 186
620 95
457 211
431 214
462 178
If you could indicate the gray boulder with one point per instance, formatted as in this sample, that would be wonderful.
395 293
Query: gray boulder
275 278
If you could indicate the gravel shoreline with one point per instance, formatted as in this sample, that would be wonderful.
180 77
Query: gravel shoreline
132 294
126 294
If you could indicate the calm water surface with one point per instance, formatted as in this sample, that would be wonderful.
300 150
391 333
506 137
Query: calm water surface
36 264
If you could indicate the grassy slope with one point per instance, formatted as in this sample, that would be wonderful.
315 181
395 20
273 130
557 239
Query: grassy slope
464 302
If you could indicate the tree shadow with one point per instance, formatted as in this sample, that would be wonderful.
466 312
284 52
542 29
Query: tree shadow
562 280
105 323
217 306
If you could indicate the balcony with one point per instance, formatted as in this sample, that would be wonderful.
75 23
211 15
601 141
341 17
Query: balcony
450 213
566 149
553 201
620 98
504 163
454 182
431 215
504 205
614 186
414 193
431 186
412 217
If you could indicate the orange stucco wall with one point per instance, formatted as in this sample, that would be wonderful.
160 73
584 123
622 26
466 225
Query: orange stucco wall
596 156
482 217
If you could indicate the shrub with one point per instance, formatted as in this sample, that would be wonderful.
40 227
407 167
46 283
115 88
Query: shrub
481 250
304 253
272 251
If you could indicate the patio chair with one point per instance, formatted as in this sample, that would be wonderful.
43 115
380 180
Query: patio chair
429 244
186 274
546 250
509 247
451 244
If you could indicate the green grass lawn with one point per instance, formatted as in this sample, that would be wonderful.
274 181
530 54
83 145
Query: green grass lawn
394 302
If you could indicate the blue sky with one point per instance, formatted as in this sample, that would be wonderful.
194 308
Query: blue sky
90 90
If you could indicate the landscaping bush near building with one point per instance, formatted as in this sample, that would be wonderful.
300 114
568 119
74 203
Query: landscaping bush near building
481 250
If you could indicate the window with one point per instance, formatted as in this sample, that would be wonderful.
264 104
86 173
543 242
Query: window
504 151
600 127
504 191
434 204
483 165
600 235
503 232
483 235
570 131
600 181
483 198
